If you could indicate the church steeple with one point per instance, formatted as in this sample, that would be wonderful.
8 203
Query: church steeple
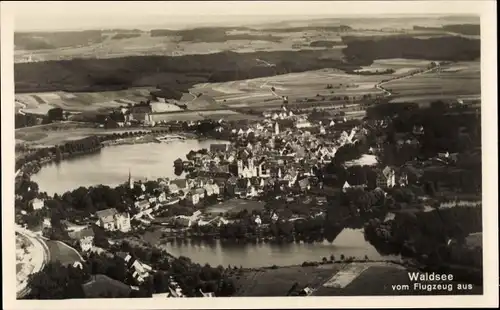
130 181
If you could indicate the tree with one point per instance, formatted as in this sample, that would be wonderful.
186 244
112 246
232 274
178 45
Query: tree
56 281
342 257
55 114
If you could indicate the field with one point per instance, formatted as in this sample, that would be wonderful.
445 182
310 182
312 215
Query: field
62 253
310 84
287 35
458 80
40 103
277 282
235 206
54 134
378 280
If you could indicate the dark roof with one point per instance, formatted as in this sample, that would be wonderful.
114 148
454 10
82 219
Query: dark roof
106 215
181 183
80 234
103 286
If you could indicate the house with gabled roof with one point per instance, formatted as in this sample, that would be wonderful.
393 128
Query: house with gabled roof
111 219
84 237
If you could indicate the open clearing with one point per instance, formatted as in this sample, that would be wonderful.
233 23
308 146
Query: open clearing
235 206
277 282
62 253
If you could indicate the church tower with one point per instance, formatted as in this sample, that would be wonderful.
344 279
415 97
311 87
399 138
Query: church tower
130 180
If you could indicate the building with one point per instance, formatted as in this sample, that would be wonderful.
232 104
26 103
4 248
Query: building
111 220
182 184
193 197
37 204
84 237
140 271
173 189
142 205
386 178
219 147
303 123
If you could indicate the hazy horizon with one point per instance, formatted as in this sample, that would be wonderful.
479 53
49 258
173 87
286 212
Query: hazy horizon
77 16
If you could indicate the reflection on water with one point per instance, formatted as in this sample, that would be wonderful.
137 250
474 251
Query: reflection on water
112 164
350 242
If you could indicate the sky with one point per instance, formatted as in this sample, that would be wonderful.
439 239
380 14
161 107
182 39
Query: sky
78 15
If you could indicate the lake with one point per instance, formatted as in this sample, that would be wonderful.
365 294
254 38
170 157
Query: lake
349 242
153 160
111 166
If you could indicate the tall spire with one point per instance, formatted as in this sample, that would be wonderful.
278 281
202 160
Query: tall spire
130 181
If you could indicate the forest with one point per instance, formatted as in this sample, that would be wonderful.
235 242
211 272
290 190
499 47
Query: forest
182 72
436 48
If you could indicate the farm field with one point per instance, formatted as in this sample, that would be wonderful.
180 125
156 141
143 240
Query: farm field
235 206
40 103
458 80
455 79
54 134
296 86
378 279
288 35
277 282
400 66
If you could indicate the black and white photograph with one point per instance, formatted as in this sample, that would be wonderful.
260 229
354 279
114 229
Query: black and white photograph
166 150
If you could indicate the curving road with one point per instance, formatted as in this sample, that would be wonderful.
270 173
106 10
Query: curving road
401 77
41 256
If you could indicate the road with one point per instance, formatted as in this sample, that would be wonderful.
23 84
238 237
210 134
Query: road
388 93
40 257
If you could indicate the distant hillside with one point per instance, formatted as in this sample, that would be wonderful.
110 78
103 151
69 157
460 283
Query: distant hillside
52 40
440 48
180 73
326 43
212 35
177 72
120 36
466 29
340 28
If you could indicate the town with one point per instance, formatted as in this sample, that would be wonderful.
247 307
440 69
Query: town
291 177
314 157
